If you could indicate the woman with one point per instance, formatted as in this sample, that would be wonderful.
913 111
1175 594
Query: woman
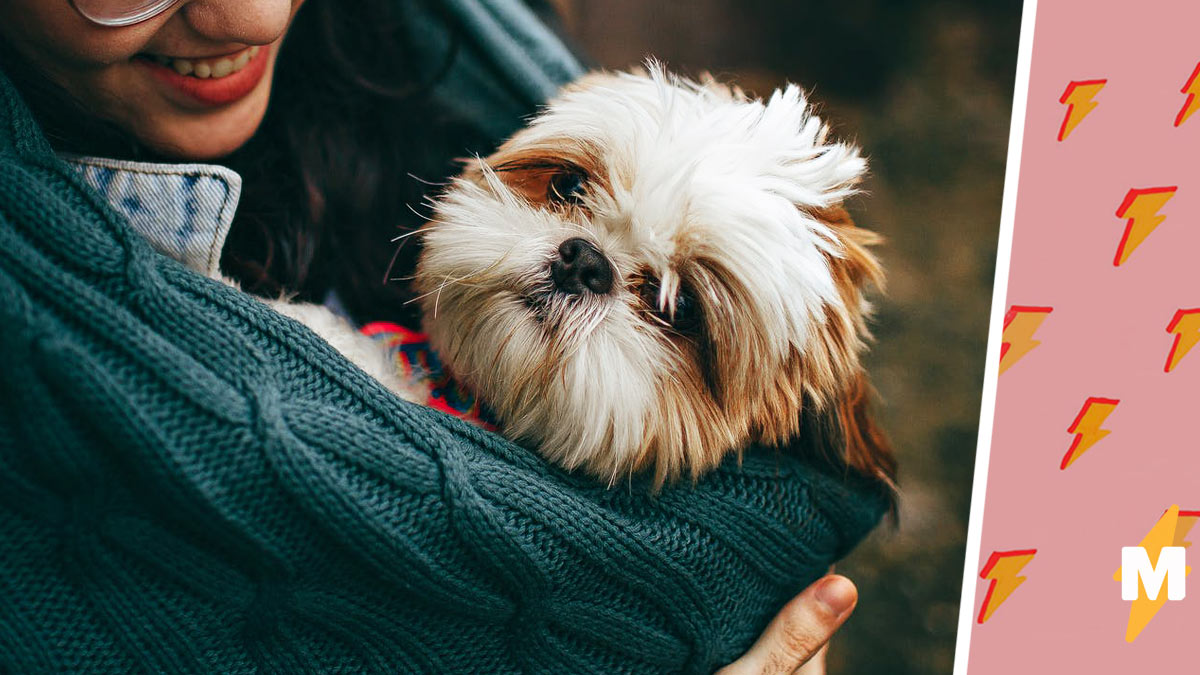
320 132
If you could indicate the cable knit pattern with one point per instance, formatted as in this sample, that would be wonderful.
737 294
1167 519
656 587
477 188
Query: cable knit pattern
190 482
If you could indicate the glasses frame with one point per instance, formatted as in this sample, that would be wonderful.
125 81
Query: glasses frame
143 10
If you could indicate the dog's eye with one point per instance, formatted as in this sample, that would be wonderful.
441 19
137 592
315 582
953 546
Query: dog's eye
688 315
687 312
566 188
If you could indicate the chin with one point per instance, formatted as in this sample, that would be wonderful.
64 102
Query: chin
208 134
657 273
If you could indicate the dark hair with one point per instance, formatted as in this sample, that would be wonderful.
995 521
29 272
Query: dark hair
350 145
346 153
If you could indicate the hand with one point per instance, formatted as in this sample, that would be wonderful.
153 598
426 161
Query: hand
800 632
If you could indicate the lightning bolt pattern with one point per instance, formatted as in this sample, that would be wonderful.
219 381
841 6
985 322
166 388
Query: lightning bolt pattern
1078 99
1170 530
1020 324
1141 209
1185 325
1120 84
1086 427
1191 88
1002 569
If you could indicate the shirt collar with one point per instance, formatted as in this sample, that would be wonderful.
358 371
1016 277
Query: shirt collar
184 210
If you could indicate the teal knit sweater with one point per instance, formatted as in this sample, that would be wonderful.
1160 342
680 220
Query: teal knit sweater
192 483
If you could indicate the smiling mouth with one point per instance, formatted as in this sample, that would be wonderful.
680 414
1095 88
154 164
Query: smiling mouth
211 68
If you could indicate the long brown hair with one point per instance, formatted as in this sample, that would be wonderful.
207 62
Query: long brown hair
349 147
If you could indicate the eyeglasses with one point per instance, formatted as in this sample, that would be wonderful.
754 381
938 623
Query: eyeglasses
121 12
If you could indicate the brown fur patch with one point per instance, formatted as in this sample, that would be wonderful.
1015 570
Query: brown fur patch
527 170
864 447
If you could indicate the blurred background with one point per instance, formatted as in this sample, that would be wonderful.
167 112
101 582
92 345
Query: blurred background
925 87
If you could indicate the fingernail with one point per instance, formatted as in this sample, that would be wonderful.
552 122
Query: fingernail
838 594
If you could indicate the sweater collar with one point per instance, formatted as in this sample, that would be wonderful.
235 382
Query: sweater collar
183 210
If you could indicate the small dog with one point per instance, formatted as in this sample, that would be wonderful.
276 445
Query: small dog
654 274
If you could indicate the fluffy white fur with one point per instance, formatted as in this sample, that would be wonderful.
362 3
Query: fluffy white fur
687 183
689 190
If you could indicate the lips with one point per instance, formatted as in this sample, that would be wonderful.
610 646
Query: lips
214 81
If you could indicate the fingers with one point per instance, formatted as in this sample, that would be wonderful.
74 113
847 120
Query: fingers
800 629
815 665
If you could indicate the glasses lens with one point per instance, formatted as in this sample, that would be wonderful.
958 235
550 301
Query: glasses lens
121 12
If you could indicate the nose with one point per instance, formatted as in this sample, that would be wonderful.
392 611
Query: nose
580 265
251 22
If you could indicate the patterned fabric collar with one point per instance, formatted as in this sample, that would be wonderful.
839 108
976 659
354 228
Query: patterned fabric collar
184 210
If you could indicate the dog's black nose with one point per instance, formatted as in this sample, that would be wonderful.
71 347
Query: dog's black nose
580 265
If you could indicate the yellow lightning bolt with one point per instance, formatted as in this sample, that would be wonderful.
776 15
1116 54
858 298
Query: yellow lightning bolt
1019 326
1192 88
1078 99
1002 569
1086 427
1186 327
1170 530
1141 208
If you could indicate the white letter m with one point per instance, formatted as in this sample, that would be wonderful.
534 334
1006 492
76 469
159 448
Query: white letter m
1135 567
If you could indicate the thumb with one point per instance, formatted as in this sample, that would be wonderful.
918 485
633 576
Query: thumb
800 629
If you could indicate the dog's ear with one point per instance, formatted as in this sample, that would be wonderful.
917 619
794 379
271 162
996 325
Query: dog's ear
865 447
857 267
843 433
849 425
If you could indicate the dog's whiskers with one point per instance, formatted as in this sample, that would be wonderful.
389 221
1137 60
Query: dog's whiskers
426 182
406 235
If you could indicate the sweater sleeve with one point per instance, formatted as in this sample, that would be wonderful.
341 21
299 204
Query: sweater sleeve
190 482
491 61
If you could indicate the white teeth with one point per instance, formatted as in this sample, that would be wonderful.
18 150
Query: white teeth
222 67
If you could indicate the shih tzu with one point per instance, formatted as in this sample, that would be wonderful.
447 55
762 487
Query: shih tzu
656 273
